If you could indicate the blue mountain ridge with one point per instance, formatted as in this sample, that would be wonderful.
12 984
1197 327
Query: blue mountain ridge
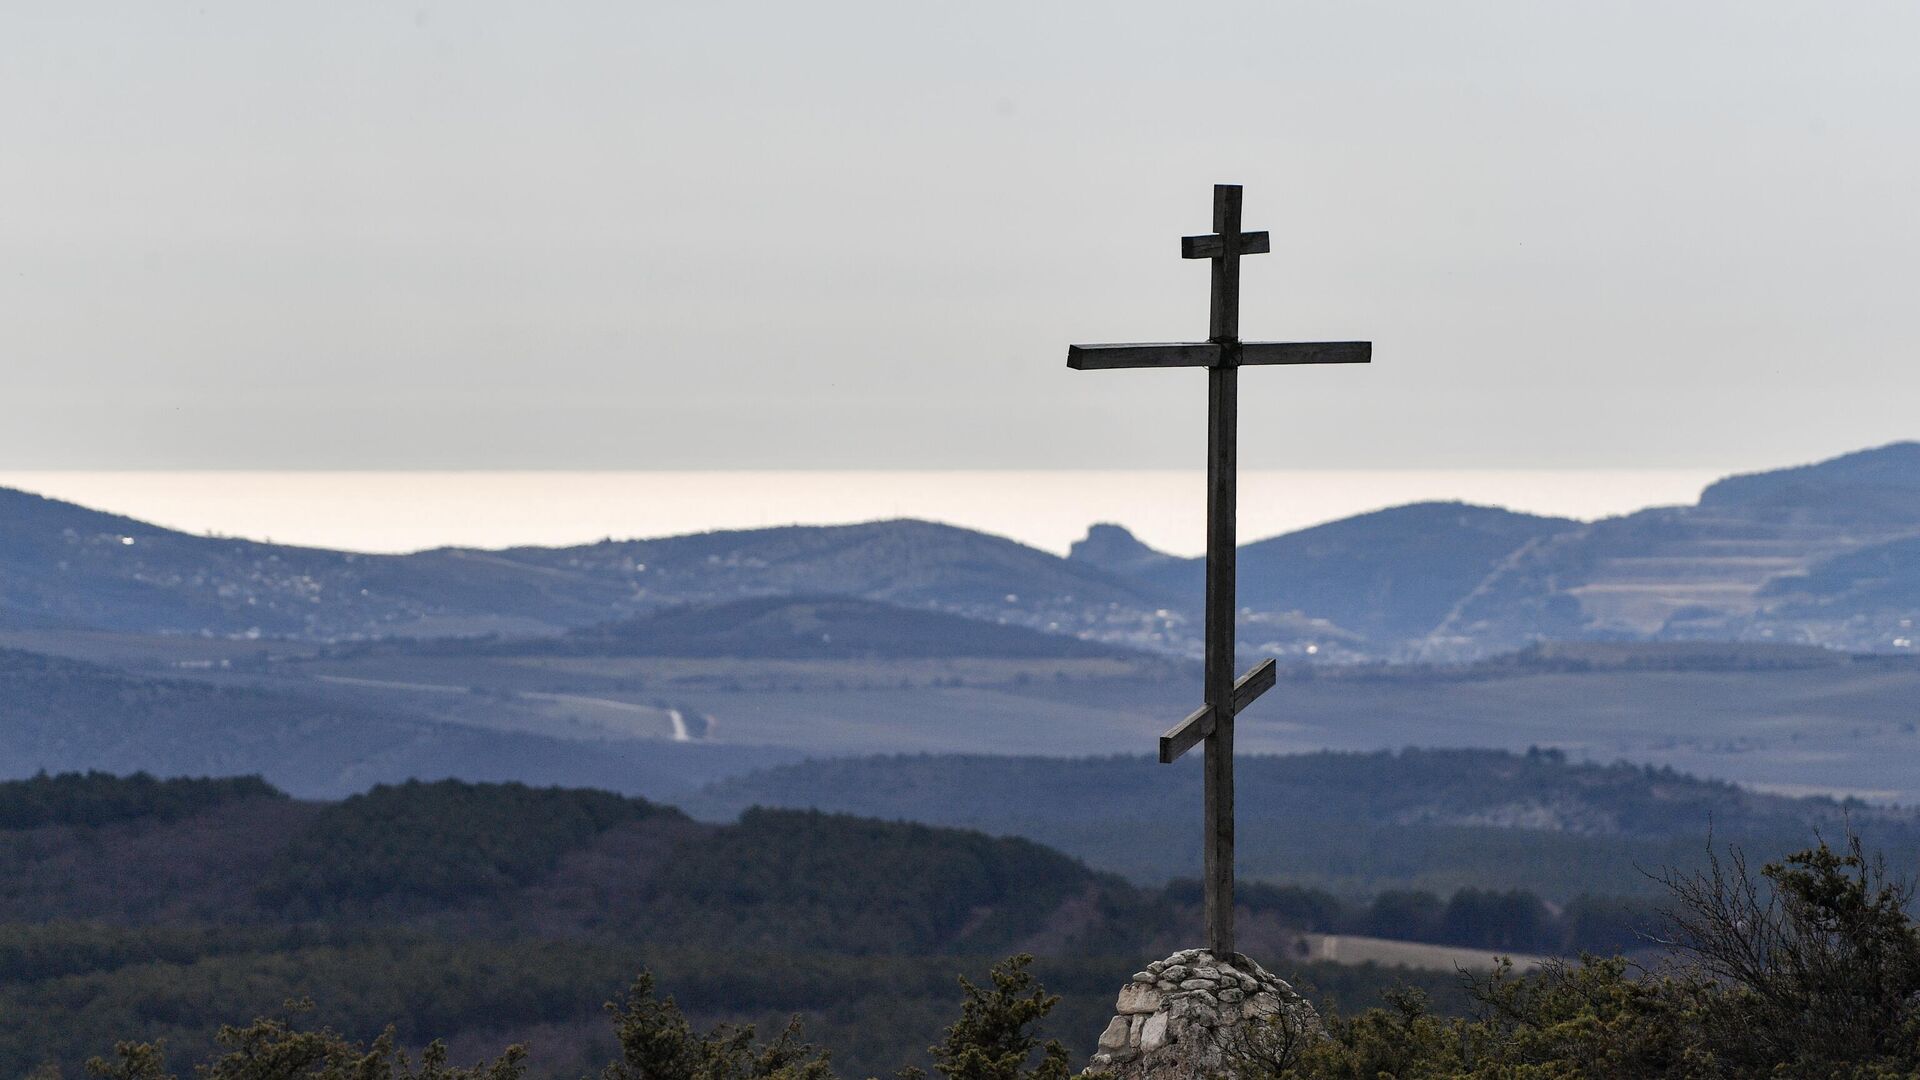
1755 559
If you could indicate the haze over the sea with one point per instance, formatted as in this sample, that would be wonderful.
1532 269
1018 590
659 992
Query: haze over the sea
408 511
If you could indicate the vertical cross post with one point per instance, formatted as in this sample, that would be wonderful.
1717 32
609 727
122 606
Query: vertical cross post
1223 422
1222 354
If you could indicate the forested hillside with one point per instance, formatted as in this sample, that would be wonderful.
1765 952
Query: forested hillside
513 857
142 908
1439 819
147 908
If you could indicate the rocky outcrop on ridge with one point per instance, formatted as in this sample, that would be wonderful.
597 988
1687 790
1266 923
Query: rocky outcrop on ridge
1186 1016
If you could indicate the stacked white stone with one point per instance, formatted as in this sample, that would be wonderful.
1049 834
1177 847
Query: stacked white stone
1179 1017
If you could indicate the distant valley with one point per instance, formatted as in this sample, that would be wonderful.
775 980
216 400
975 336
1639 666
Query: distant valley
1753 638
1487 729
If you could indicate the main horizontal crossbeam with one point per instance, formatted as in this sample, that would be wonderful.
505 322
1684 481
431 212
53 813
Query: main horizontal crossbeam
1168 354
1214 354
1185 735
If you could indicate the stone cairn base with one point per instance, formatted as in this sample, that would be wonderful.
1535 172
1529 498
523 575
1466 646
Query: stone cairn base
1182 1017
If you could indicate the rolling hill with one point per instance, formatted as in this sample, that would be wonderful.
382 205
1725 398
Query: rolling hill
1385 577
503 858
1870 593
809 627
1818 554
491 914
1871 487
1723 569
143 909
1348 821
1755 560
64 566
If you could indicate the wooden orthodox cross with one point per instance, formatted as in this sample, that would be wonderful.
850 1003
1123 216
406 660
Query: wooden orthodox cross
1222 354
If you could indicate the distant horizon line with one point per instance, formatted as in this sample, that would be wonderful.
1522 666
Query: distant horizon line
642 470
400 511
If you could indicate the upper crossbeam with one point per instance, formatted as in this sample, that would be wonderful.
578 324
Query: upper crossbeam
1214 354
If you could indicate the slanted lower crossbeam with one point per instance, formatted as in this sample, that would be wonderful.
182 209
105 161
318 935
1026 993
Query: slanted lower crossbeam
1186 734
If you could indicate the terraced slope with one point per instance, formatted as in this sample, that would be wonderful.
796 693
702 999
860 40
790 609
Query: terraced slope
1762 557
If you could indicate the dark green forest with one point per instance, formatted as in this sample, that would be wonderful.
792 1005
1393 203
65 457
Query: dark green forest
1435 820
97 798
137 908
1808 967
1805 967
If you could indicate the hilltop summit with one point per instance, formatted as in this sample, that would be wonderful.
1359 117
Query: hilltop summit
1877 485
1112 548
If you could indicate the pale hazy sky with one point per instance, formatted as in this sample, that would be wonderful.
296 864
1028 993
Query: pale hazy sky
766 235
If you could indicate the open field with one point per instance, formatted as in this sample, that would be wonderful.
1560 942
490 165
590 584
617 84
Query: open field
1799 721
1355 949
329 722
